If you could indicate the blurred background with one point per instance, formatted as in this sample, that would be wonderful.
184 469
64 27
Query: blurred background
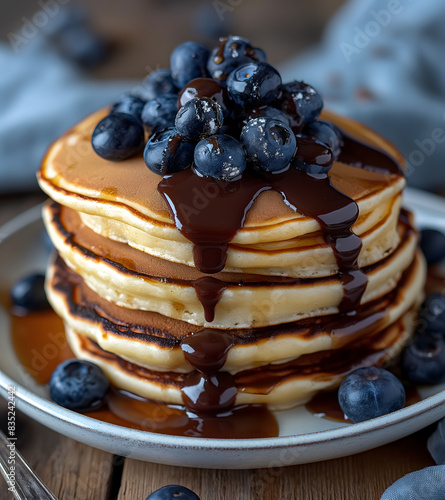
380 61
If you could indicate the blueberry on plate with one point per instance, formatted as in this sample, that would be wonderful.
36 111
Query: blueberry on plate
269 112
425 484
198 118
173 492
432 314
254 84
423 360
188 61
29 294
159 82
370 392
167 152
436 443
221 157
313 156
233 52
270 144
78 385
130 104
160 112
326 133
432 244
301 101
118 136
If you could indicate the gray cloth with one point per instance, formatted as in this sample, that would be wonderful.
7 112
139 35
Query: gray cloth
382 62
41 96
425 484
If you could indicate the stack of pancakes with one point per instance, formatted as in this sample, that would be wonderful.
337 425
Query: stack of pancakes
124 280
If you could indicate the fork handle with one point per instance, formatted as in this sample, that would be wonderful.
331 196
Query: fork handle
26 485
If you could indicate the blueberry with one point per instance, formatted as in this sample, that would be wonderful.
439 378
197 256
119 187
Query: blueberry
221 157
269 112
425 484
167 152
432 314
254 84
29 293
233 52
301 101
118 137
423 360
188 61
270 144
159 82
432 244
198 118
313 156
173 492
326 133
370 392
206 87
160 113
436 443
130 104
78 385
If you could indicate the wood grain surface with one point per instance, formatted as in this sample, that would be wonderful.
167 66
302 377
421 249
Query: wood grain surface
75 471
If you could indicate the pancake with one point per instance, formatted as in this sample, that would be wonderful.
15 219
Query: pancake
139 281
270 287
152 340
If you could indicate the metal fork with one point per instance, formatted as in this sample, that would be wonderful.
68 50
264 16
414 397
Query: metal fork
26 485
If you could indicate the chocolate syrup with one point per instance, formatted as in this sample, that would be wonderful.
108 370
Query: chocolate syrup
204 87
207 389
209 291
209 212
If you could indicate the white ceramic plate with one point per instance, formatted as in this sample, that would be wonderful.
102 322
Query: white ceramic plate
303 436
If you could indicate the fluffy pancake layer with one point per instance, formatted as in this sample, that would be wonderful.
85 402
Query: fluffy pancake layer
152 341
135 280
122 202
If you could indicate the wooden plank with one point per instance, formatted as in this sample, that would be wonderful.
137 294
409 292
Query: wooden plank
71 470
363 476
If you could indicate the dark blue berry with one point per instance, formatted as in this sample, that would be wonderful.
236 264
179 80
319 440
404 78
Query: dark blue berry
159 82
425 484
221 157
198 118
206 87
118 137
29 293
254 84
423 360
160 113
173 492
167 152
78 385
130 104
432 314
313 156
233 52
301 101
270 144
326 133
188 61
269 112
432 244
369 393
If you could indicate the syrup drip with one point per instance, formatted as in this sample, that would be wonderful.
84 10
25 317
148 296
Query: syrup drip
209 212
209 291
208 390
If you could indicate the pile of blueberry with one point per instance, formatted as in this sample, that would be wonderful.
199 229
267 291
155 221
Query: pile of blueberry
222 112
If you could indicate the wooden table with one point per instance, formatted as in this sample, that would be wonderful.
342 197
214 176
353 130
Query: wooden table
75 471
